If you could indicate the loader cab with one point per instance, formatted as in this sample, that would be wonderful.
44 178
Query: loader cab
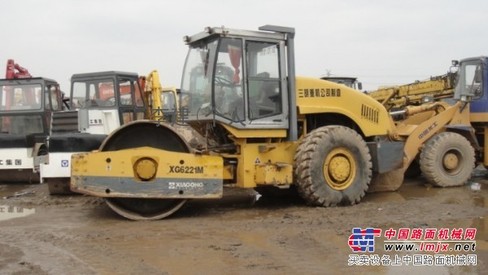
240 78
106 100
471 84
26 105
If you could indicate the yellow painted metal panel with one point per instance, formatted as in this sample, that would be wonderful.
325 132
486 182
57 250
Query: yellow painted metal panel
169 164
317 96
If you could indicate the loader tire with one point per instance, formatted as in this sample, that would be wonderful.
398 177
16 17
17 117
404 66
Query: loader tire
447 159
332 167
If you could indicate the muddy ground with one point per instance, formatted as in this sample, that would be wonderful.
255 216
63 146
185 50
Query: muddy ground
40 234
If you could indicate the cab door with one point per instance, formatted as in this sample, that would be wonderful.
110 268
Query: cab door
266 84
130 100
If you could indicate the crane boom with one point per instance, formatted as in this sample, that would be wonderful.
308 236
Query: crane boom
437 87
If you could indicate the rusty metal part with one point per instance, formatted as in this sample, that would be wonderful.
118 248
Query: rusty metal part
58 186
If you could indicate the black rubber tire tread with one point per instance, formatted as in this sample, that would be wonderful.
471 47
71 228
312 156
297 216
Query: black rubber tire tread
431 159
309 161
296 161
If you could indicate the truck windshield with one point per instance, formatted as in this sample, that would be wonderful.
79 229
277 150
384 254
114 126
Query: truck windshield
93 93
20 97
196 87
469 79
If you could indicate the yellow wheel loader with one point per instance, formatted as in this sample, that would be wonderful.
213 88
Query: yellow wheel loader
447 158
263 127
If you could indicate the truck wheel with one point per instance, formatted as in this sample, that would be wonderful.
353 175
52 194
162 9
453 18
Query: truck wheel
447 159
333 166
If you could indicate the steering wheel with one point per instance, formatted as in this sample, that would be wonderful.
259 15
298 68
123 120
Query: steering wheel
222 81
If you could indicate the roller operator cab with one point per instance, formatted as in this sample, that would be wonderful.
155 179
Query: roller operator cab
264 128
245 80
26 109
106 100
100 103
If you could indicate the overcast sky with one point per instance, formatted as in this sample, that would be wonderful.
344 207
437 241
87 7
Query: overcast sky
383 42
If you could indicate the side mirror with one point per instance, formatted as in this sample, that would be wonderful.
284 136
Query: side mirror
360 86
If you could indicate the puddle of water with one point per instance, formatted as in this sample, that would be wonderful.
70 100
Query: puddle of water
8 212
413 191
7 190
409 190
474 191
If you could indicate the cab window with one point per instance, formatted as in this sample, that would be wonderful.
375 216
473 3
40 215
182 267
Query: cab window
263 80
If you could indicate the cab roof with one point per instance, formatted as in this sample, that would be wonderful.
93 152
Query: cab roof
266 32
